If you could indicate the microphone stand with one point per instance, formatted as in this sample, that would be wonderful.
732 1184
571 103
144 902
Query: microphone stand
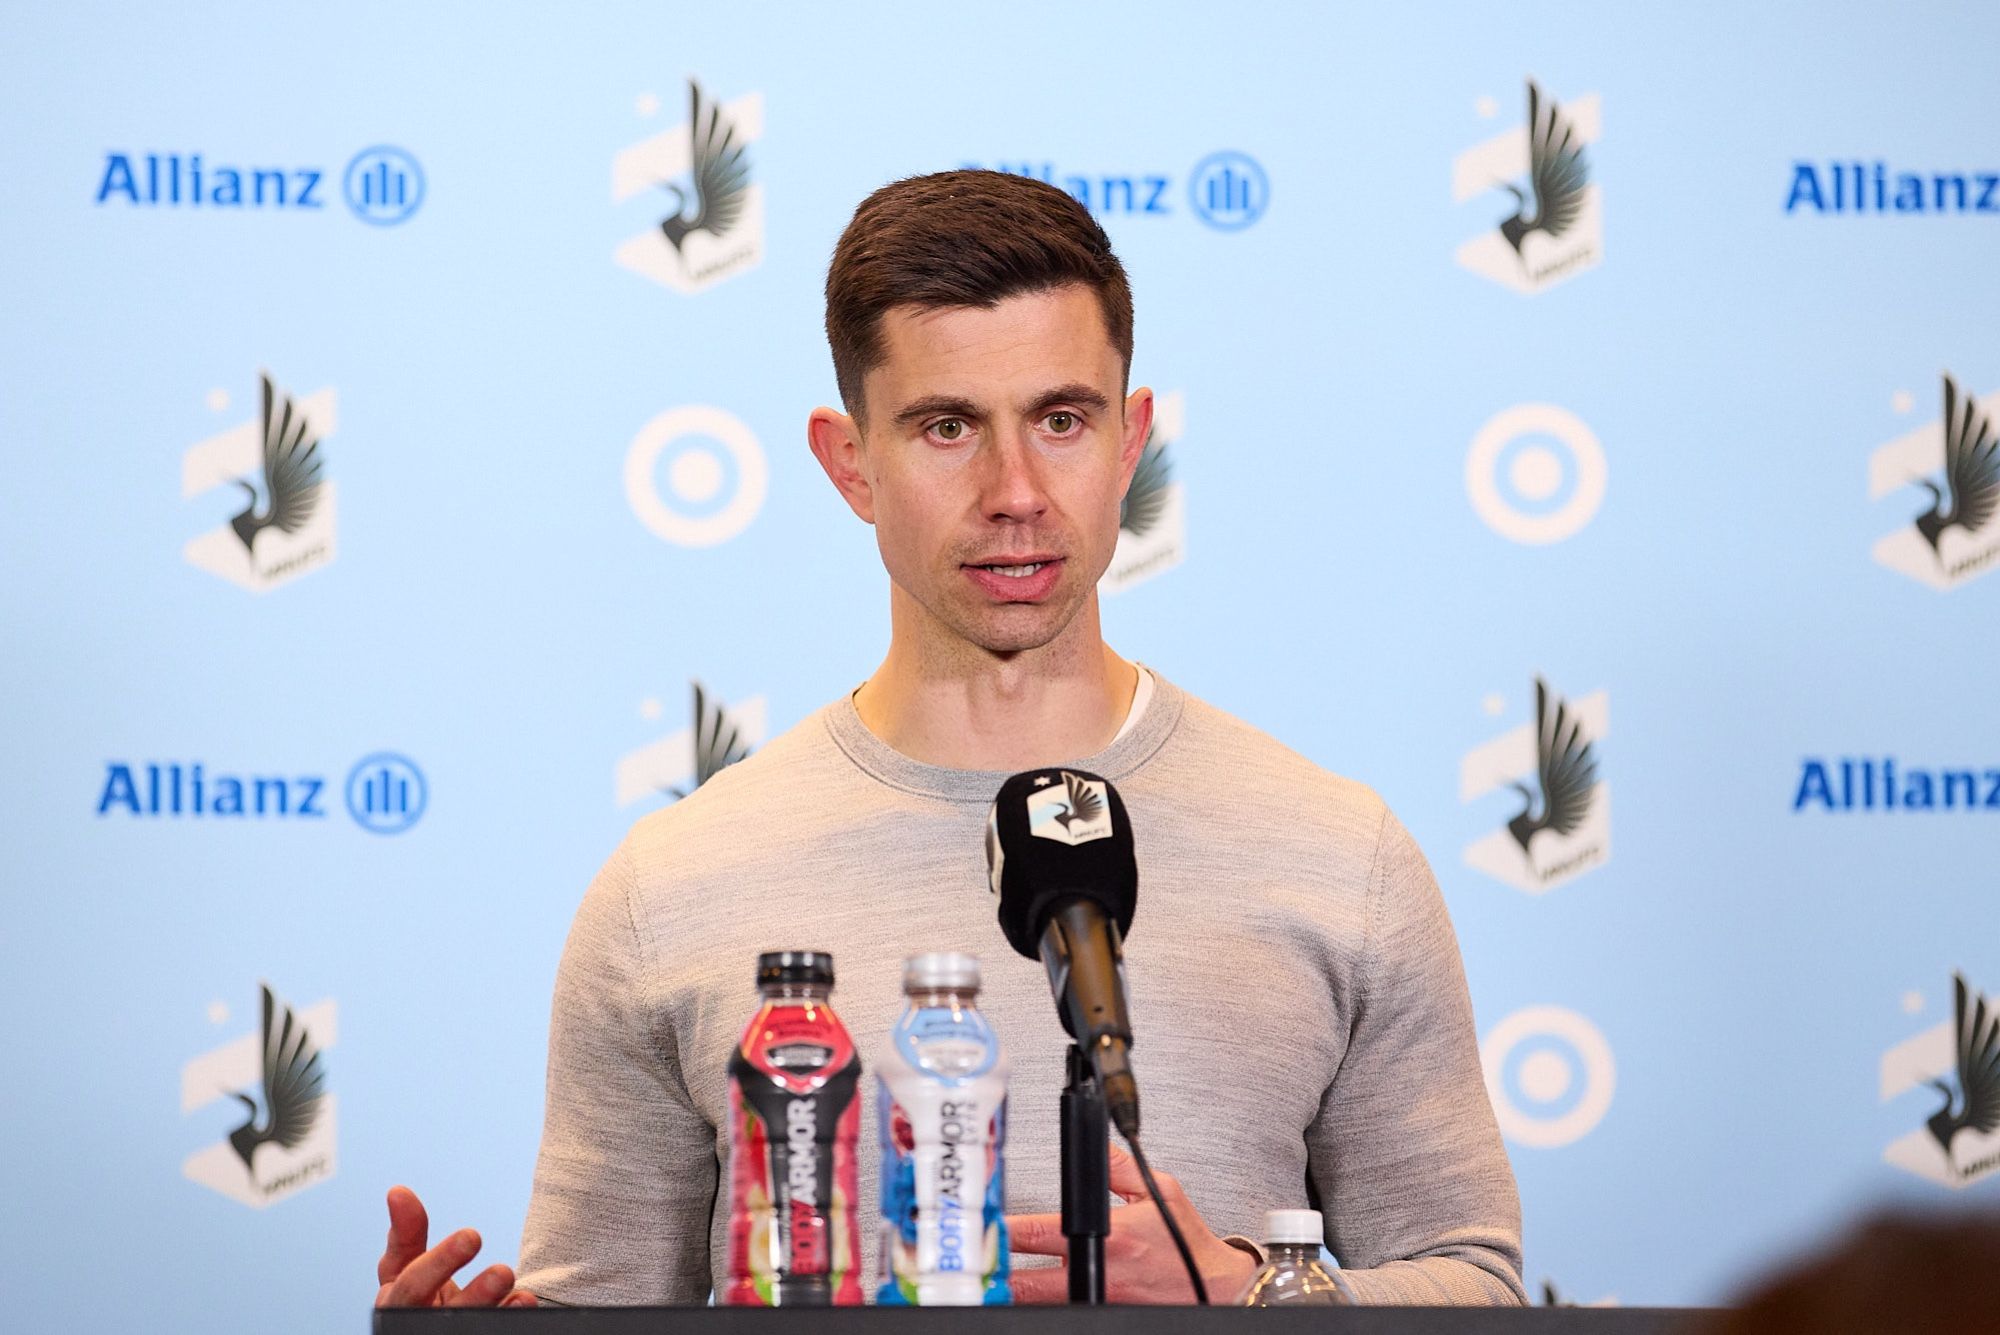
1086 1179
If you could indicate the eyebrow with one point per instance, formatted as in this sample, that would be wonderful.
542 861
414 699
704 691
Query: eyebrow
934 405
1082 395
945 405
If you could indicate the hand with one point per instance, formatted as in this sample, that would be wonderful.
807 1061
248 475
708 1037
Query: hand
1140 1262
414 1277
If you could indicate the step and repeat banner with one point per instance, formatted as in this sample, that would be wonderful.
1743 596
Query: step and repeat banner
406 489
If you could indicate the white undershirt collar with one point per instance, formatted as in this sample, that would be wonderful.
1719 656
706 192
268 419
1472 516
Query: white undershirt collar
1141 697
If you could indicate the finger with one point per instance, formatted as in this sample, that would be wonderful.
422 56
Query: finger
1125 1179
409 1231
492 1284
519 1298
1041 1286
421 1280
1036 1234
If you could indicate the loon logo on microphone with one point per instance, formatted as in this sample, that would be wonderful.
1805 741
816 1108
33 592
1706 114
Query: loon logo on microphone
1074 813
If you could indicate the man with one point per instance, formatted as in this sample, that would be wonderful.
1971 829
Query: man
1304 1033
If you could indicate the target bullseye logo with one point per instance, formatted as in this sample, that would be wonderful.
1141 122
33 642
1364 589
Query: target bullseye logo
1535 474
695 476
1549 1074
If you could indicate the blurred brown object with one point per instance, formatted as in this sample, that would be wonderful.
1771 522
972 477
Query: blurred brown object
1891 1273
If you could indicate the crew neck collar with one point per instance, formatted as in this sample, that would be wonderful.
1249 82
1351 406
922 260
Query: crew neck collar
883 762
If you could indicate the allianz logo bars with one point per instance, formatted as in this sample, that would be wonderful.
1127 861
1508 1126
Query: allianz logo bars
383 185
386 793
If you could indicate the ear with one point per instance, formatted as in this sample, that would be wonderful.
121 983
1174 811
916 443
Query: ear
1138 426
836 443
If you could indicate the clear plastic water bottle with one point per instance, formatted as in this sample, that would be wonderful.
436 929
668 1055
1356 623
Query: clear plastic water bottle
944 1124
1293 1277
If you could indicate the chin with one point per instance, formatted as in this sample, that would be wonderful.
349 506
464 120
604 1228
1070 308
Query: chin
1012 632
1013 644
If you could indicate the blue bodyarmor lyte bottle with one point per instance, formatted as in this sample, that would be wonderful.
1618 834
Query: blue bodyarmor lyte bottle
944 1121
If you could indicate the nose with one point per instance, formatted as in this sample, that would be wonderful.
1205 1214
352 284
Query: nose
1012 489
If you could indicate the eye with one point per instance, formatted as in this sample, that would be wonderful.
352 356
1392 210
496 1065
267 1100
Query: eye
1061 423
950 429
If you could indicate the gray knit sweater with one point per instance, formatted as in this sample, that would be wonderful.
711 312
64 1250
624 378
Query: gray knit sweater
1302 1018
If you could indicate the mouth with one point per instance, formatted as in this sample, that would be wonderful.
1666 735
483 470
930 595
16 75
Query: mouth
1012 578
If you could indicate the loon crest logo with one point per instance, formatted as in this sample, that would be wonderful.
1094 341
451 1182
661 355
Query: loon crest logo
286 524
1556 230
1073 814
1960 1142
714 226
1152 520
1956 539
1563 828
678 764
285 1142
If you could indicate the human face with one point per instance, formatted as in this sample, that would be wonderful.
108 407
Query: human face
997 448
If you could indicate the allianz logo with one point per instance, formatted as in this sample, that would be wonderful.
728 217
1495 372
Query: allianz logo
1879 783
384 792
173 180
1854 187
382 185
173 789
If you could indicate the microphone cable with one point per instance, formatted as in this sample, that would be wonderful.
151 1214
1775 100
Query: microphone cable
1173 1228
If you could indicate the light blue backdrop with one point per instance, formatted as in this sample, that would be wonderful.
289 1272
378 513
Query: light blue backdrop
1732 984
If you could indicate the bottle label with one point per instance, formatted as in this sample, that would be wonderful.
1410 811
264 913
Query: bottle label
794 1120
944 1119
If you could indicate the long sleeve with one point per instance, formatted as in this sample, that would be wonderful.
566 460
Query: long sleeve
1405 1157
627 1173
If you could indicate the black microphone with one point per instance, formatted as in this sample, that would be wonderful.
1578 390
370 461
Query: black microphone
1059 858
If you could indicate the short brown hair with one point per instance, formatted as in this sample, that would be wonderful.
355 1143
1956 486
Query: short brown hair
962 238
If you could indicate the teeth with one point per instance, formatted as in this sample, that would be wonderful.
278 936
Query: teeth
1017 572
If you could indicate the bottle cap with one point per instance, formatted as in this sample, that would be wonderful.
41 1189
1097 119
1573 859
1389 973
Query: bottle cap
941 971
794 966
1289 1228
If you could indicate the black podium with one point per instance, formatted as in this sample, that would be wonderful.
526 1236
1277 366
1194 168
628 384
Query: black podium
1044 1321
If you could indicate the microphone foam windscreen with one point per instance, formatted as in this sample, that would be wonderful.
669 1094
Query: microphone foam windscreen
1053 835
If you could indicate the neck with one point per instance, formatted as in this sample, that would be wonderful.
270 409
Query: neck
967 708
